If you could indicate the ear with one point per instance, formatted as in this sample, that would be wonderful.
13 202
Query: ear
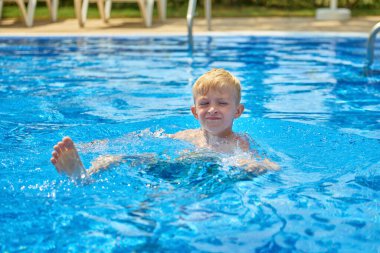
239 110
194 111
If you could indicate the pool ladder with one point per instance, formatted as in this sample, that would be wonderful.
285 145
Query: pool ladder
190 18
371 44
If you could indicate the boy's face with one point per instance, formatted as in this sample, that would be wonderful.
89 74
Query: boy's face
217 110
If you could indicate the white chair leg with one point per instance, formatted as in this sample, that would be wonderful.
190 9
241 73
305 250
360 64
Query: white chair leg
21 5
30 14
54 10
78 11
48 4
162 9
1 8
101 6
84 10
27 14
107 9
149 13
146 9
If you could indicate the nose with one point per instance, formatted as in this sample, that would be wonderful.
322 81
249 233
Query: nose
212 110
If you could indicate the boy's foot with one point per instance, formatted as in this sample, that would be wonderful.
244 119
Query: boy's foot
66 159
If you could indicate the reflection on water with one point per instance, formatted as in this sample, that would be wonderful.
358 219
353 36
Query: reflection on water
305 79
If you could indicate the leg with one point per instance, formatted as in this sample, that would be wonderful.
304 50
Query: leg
107 10
108 161
54 10
31 10
78 11
49 6
162 9
105 162
146 9
1 8
24 14
66 159
101 9
83 12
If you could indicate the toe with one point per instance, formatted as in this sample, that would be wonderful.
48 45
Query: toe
66 139
68 143
60 144
55 155
57 149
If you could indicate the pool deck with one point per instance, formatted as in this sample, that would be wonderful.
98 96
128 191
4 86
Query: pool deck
134 26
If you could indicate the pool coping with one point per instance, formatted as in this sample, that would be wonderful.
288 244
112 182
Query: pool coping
198 34
250 26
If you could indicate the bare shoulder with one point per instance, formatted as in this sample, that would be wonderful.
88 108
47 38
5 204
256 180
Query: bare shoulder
186 135
243 141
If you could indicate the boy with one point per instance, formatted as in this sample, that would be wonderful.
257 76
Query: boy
216 96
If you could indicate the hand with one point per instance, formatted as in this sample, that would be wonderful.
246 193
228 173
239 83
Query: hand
252 165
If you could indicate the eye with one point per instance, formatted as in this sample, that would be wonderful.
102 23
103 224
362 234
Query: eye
203 103
223 103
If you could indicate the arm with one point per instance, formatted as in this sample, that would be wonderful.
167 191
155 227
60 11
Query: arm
252 162
253 165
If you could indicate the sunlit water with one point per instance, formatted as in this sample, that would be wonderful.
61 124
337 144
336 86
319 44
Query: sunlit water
309 108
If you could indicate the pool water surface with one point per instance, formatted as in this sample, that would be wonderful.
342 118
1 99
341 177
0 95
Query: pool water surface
309 107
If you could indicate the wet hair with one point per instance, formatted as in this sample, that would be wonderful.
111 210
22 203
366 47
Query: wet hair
216 79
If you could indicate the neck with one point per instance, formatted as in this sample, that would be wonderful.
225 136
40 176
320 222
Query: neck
212 138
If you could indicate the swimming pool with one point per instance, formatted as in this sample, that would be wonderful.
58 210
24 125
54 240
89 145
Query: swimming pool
309 107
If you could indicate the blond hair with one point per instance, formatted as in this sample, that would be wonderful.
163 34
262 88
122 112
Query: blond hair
216 79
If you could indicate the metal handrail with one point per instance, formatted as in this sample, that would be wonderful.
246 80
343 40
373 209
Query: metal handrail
190 17
208 13
371 44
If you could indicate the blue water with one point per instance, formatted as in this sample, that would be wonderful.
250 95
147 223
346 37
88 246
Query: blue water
309 107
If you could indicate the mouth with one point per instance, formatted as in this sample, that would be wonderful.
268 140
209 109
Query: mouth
213 118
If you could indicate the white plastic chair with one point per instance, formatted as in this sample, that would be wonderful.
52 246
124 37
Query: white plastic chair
28 10
146 9
81 8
